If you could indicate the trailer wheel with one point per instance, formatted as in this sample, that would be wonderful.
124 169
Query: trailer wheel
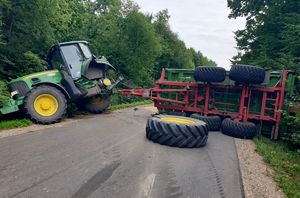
96 104
241 130
176 131
210 74
45 105
213 122
247 74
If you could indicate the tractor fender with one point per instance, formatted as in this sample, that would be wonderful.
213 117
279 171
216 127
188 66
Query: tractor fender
104 61
57 86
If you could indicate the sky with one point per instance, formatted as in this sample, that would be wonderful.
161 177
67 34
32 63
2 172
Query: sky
201 24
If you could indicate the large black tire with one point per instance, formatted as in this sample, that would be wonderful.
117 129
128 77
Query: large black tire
247 74
96 104
213 122
243 130
183 133
210 74
31 105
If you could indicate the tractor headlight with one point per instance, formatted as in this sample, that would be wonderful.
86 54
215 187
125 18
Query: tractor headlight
14 93
106 82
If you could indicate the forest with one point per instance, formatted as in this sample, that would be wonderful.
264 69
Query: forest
139 45
271 38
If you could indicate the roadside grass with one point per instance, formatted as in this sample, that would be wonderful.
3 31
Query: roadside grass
72 112
285 163
128 105
11 124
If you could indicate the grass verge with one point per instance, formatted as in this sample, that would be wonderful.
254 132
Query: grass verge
285 163
18 123
11 124
128 105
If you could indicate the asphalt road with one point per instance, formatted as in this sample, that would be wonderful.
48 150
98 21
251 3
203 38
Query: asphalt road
109 156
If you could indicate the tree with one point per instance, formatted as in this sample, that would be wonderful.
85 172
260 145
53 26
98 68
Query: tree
271 37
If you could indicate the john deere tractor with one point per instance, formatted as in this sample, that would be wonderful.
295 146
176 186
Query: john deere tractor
74 75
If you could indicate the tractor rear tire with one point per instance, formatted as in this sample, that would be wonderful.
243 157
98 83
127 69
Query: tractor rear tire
96 104
210 74
176 131
243 130
247 74
45 105
213 122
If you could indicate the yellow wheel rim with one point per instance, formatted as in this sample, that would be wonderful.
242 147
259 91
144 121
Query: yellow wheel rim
178 120
46 105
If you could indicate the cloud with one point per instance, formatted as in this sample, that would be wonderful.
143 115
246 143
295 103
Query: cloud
202 24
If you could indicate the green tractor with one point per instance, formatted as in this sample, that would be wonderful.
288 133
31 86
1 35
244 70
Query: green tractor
73 75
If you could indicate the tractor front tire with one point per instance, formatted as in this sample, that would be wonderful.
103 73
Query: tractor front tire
45 105
96 104
243 130
213 122
176 131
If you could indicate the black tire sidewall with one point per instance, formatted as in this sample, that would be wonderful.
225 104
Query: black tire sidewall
175 134
96 108
213 122
247 130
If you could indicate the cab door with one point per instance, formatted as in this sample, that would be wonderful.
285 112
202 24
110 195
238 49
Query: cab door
74 59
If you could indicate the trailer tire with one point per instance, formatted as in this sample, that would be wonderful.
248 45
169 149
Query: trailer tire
176 131
96 104
210 74
247 74
45 105
241 130
213 122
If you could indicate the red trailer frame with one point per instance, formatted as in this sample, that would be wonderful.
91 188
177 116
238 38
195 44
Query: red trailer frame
192 90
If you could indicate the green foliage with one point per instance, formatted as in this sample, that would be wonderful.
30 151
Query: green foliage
293 133
11 124
272 35
285 163
4 94
128 105
137 44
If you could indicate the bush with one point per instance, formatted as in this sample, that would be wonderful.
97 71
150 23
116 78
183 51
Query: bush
4 93
121 99
293 133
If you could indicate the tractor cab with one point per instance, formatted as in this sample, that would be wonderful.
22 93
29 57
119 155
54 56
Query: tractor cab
83 74
77 60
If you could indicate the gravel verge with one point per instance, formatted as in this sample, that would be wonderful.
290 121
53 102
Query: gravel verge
256 174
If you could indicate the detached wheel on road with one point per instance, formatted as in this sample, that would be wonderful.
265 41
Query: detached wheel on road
96 104
243 130
247 74
177 131
210 74
45 105
213 122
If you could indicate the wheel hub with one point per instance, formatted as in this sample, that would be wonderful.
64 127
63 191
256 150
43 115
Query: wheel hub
46 105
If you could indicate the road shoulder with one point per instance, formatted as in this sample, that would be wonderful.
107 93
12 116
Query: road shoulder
256 174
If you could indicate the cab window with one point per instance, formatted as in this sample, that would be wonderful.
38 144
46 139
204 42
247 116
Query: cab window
86 50
56 60
74 59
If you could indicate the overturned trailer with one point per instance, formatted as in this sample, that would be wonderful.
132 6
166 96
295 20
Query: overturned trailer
253 98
